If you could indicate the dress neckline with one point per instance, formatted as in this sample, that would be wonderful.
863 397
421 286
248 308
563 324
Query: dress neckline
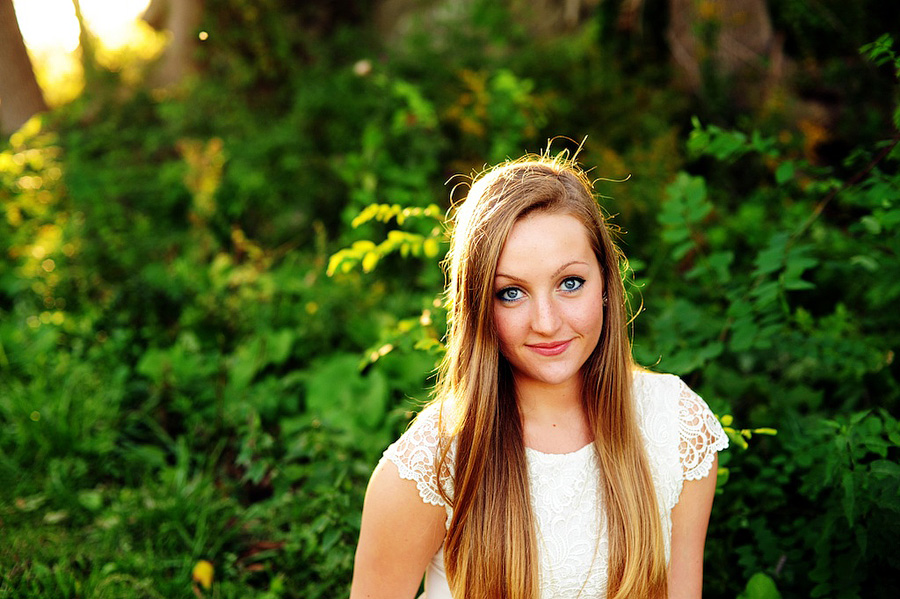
533 451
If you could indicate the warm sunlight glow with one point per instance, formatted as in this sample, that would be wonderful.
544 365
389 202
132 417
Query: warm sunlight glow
51 24
47 25
51 32
113 20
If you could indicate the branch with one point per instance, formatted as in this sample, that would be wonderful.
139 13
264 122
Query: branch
848 184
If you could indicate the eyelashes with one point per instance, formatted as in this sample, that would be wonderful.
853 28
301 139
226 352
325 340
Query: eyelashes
509 294
571 284
513 294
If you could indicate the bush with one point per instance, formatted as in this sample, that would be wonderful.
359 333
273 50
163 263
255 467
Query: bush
218 304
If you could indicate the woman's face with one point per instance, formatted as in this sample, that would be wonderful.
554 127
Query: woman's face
548 299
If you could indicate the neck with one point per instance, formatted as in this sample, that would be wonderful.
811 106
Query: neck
536 398
553 419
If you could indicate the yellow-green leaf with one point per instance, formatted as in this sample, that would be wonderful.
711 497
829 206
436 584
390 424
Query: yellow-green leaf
431 247
203 574
369 261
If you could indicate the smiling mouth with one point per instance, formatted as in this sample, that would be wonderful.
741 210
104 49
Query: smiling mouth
550 349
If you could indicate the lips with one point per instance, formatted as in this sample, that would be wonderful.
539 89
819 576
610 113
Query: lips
550 349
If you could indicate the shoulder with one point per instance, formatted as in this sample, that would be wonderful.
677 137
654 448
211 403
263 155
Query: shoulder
399 535
701 436
681 433
656 398
416 452
666 403
655 389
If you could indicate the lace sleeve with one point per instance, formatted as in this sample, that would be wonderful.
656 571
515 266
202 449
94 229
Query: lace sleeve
414 455
700 434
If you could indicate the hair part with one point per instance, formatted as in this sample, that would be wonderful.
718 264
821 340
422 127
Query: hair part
491 547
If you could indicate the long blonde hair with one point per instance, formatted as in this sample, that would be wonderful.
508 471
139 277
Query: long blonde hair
490 550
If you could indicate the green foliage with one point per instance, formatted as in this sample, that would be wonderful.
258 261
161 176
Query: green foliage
795 314
219 302
368 254
760 586
882 52
854 483
752 282
818 512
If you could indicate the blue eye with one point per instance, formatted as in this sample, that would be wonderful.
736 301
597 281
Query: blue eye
509 294
572 284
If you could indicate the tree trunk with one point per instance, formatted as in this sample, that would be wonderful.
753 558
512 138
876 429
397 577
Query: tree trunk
543 19
182 19
20 94
734 37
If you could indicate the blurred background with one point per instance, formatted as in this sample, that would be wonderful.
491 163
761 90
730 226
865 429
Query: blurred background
220 291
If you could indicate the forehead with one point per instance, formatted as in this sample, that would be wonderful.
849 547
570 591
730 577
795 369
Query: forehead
545 240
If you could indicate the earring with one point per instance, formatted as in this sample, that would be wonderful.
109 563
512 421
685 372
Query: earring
605 299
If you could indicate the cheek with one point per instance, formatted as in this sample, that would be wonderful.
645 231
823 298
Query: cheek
507 326
589 319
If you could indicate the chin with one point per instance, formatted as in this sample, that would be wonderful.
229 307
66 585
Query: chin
553 379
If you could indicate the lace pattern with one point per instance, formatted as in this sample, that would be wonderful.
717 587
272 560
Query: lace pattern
700 435
414 455
567 507
681 436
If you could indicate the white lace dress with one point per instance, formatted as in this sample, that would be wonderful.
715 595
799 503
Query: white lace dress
681 435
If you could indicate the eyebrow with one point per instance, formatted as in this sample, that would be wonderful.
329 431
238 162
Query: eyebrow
558 270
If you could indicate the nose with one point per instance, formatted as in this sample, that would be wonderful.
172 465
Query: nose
545 318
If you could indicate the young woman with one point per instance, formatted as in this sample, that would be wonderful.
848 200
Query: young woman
548 465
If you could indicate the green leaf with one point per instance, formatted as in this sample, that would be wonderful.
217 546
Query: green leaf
369 261
766 293
784 172
865 262
885 468
760 586
871 224
720 263
859 417
849 498
431 246
344 398
765 431
743 331
736 438
154 364
772 257
798 285
90 499
880 51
